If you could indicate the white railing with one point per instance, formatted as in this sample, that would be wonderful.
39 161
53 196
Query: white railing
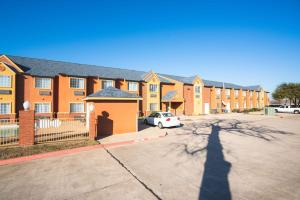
9 132
58 129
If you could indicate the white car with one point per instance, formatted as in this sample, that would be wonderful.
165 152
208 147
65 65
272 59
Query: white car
162 119
288 109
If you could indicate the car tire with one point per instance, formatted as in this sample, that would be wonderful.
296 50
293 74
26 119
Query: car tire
145 122
296 112
160 125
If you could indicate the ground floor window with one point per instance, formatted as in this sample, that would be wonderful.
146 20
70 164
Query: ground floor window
76 107
153 106
5 108
42 107
218 106
236 105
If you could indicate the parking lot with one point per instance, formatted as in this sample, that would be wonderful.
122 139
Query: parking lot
225 156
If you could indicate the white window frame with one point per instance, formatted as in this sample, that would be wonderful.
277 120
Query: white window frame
82 111
197 89
43 83
6 79
79 86
227 92
156 105
43 109
236 105
244 93
107 81
133 86
9 108
151 86
236 93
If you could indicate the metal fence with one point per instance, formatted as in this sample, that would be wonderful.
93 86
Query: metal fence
9 132
57 129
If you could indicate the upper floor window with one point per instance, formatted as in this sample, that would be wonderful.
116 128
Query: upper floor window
77 83
227 92
251 93
42 107
5 108
218 93
132 86
107 83
236 93
236 105
153 88
257 94
77 107
197 89
5 81
244 93
44 83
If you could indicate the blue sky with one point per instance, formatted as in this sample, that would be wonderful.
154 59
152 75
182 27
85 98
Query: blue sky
244 42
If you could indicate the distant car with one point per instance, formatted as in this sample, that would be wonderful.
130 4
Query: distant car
162 119
288 109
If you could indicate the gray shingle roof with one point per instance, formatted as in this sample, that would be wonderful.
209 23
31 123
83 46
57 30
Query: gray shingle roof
169 95
49 68
42 67
114 92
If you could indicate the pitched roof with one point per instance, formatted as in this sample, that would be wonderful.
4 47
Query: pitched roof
50 68
114 93
169 95
43 67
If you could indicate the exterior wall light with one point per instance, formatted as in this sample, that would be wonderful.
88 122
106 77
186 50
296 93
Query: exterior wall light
91 107
26 105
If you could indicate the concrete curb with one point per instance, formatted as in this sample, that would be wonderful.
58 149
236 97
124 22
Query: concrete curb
70 151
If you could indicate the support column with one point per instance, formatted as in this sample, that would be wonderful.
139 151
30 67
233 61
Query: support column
26 127
92 126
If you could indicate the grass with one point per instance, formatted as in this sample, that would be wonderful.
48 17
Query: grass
18 151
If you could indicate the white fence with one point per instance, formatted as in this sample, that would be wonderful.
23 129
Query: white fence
9 132
52 130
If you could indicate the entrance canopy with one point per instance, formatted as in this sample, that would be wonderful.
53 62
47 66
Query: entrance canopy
112 93
171 96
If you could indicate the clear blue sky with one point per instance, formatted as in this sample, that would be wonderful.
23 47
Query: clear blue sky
244 42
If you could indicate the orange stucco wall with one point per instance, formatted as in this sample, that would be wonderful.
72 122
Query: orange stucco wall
115 116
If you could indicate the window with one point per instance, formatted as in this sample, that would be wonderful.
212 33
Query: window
76 107
236 93
42 107
236 105
107 83
244 93
44 83
251 104
197 89
251 93
77 83
5 81
218 93
257 94
4 108
245 106
227 93
153 88
218 106
132 86
153 106
168 115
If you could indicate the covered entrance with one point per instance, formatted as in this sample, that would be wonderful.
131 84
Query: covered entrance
116 111
171 103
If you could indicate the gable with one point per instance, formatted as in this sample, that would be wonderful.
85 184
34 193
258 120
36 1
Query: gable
8 61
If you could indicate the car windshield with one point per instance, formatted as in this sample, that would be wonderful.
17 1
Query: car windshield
168 115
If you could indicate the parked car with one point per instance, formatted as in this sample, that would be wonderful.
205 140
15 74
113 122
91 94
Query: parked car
162 119
288 109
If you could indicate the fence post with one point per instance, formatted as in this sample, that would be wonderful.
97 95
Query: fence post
26 127
92 126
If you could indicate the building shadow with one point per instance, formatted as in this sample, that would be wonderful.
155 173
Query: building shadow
215 184
104 125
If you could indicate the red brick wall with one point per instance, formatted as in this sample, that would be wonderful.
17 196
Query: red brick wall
188 95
